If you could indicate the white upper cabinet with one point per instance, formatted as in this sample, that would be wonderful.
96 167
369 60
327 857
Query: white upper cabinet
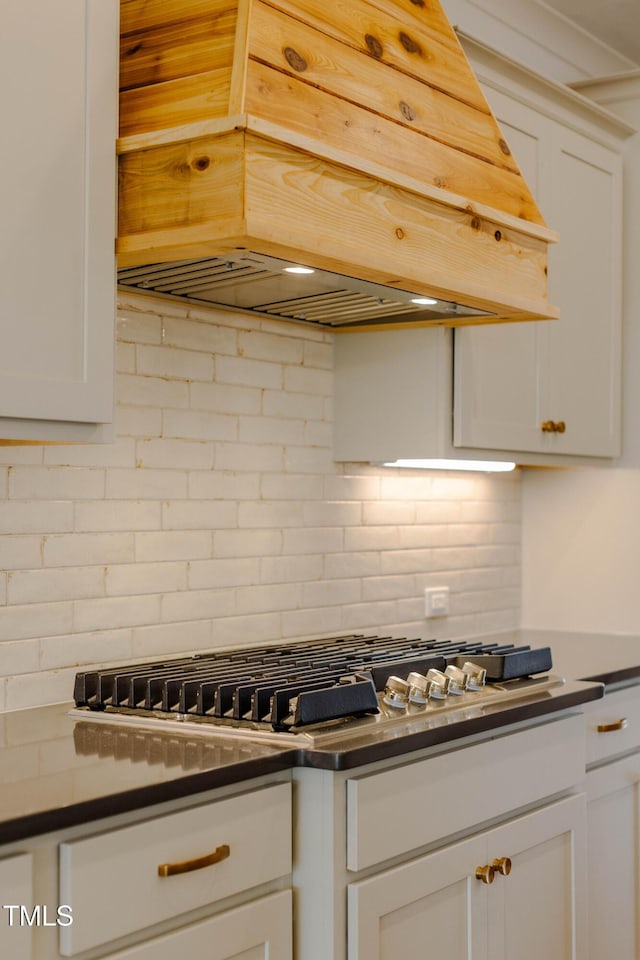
553 388
58 101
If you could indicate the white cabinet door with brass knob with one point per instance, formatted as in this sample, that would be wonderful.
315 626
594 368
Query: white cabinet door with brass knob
517 892
553 388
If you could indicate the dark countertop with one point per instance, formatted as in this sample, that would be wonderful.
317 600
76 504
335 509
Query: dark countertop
57 771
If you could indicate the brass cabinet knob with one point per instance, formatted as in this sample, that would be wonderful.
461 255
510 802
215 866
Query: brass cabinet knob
553 426
502 865
610 727
485 874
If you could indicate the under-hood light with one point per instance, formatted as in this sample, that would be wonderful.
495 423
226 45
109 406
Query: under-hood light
299 270
424 301
488 466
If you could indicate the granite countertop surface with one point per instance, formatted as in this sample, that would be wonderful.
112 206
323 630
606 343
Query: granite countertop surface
57 771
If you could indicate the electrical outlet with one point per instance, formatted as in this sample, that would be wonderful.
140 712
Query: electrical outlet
436 601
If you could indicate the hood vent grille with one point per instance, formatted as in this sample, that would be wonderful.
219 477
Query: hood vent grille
260 285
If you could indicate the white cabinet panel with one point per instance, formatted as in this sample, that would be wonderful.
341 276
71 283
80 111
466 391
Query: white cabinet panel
439 902
258 931
58 101
509 381
252 830
16 889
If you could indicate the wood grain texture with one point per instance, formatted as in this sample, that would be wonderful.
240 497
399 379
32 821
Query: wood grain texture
136 15
178 49
175 102
332 123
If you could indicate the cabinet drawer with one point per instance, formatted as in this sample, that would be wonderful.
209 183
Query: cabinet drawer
112 880
406 807
613 725
260 930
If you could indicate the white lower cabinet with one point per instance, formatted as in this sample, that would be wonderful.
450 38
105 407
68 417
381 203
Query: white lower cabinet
446 903
260 930
16 890
613 821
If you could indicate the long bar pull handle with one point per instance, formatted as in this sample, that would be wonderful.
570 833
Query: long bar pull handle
170 869
610 727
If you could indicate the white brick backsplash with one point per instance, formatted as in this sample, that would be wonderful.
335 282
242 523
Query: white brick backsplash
111 612
290 569
127 579
250 373
249 456
308 380
27 621
247 630
270 430
225 398
218 516
20 553
264 599
224 573
29 516
310 541
198 605
290 487
199 514
152 391
247 543
165 638
224 485
269 513
63 583
173 545
296 405
208 337
199 425
169 453
264 346
176 364
56 483
74 549
146 484
112 515
138 421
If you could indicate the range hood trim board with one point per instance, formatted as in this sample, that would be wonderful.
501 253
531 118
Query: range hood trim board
224 185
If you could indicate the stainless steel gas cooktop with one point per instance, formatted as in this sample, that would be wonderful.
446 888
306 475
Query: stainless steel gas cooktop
315 691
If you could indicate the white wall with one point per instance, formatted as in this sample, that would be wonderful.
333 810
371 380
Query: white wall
219 517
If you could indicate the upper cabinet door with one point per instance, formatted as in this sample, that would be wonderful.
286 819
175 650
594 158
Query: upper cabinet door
58 102
555 388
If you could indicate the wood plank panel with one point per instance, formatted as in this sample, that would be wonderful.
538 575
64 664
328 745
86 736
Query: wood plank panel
331 122
177 50
414 37
146 14
178 185
175 102
298 202
313 57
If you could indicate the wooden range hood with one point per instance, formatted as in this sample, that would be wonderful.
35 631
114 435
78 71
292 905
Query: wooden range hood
348 136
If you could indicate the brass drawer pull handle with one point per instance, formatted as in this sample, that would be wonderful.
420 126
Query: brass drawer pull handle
502 865
553 426
170 869
485 874
609 727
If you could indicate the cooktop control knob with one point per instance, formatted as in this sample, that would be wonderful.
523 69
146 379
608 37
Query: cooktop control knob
476 675
396 692
457 679
440 687
419 688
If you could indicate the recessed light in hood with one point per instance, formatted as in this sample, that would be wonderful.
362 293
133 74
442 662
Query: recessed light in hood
270 287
